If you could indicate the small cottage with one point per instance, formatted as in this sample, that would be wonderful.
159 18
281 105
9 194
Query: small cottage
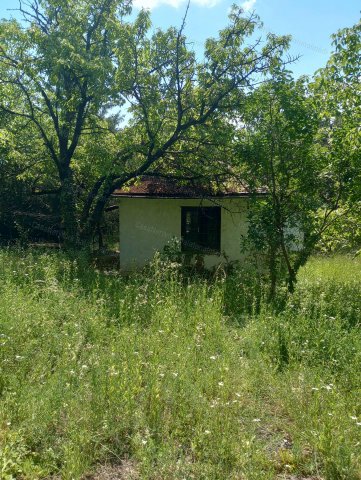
155 211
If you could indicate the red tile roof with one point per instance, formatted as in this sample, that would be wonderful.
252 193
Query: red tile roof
170 188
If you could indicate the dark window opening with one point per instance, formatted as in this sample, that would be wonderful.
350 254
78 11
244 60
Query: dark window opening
201 229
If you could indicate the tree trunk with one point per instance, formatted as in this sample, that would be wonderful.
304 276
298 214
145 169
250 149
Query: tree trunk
100 238
292 274
68 210
272 266
92 219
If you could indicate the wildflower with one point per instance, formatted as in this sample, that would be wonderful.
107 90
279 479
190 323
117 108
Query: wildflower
175 374
256 420
220 384
328 387
214 402
207 432
113 372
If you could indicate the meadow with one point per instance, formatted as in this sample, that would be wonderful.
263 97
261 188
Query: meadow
165 377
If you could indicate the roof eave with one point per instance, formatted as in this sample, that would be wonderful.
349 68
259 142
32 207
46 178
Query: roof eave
187 197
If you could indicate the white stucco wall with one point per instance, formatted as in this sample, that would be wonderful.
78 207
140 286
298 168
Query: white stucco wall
147 224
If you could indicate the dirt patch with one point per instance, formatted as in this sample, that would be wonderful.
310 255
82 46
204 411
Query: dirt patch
297 477
125 471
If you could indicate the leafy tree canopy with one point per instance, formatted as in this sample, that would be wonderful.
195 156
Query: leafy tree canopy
70 61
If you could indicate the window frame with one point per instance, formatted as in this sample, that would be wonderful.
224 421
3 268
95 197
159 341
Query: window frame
200 246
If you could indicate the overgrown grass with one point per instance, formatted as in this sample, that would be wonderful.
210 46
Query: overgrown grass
189 379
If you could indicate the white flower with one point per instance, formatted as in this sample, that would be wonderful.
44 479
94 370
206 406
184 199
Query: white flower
220 384
207 432
256 420
213 357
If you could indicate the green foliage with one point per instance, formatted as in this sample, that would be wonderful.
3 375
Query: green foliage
275 153
301 143
344 234
96 368
70 65
21 159
337 95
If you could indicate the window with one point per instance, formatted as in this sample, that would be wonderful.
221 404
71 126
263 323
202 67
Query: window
201 229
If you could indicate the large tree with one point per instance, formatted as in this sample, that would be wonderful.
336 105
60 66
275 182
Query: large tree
57 71
337 93
68 62
301 142
336 90
277 151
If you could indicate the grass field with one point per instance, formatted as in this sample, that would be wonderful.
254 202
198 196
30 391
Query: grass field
158 377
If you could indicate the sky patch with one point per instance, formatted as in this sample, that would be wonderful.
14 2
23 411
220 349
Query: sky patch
248 5
151 4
